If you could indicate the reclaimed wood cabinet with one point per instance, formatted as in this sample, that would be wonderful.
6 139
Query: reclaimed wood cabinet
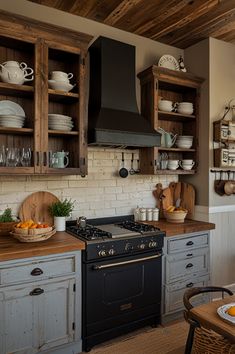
176 86
44 48
40 311
186 264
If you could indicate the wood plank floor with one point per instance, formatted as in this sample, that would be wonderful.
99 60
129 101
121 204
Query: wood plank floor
168 339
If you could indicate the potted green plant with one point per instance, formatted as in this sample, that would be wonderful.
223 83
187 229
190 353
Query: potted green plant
7 222
60 210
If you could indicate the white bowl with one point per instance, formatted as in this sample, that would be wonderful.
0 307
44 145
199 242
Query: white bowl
186 167
185 137
184 110
60 85
184 146
165 105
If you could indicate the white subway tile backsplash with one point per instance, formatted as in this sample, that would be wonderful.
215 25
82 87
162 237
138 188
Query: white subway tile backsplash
102 193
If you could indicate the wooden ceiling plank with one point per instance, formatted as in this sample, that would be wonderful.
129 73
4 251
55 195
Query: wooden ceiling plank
183 18
120 11
223 10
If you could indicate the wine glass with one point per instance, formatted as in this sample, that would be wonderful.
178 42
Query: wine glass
25 158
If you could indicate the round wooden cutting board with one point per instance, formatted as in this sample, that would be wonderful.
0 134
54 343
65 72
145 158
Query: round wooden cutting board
35 207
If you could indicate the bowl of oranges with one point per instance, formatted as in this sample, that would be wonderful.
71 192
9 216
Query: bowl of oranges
31 231
175 214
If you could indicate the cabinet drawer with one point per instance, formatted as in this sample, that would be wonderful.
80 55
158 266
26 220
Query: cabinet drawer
187 243
174 293
185 264
35 271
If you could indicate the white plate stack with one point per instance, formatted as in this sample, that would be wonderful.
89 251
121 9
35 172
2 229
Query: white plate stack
184 141
12 114
11 121
60 122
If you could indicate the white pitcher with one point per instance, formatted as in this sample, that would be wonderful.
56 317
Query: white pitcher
14 73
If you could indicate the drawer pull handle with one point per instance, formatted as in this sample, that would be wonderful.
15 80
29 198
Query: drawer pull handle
189 265
36 271
37 291
189 243
189 285
189 254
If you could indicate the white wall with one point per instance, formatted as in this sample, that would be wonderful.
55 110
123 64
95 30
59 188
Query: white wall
102 192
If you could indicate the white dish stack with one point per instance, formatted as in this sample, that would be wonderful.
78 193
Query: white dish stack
60 81
12 114
184 141
60 122
185 108
11 121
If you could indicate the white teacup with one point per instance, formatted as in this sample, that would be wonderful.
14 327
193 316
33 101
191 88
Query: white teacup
187 164
173 164
61 76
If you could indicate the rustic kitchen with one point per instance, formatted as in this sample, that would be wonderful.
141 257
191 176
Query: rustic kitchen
117 179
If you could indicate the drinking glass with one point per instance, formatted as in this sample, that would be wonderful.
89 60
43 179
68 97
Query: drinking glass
2 156
25 158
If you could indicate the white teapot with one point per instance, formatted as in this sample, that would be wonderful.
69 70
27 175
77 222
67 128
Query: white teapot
14 73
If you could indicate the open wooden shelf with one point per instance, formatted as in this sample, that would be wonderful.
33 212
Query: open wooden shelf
162 115
59 96
62 132
20 131
175 172
16 90
175 149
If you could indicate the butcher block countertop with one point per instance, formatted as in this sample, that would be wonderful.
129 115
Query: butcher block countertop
59 243
187 227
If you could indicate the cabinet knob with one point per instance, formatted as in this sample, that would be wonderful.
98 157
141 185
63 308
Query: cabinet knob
190 285
36 291
189 265
189 243
36 271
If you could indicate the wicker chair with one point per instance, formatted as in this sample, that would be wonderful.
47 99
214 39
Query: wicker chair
201 340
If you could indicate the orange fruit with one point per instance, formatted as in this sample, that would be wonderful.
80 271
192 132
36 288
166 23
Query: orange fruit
231 311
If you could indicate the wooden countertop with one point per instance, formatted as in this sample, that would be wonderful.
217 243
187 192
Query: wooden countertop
58 243
187 227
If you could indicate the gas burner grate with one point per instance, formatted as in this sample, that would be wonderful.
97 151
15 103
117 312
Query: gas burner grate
89 232
135 226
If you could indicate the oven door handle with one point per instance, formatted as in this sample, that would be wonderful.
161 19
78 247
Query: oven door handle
111 265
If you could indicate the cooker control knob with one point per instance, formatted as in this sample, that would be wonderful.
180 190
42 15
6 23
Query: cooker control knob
152 244
142 246
102 253
111 252
128 247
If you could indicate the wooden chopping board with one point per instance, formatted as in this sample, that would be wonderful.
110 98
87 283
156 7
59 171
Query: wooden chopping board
178 190
35 207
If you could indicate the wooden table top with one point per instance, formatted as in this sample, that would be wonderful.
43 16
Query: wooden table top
207 315
58 243
188 226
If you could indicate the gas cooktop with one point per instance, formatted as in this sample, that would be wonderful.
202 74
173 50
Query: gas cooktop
126 228
117 236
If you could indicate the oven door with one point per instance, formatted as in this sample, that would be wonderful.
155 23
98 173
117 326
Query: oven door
120 291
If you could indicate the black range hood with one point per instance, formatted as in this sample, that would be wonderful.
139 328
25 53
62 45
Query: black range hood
113 117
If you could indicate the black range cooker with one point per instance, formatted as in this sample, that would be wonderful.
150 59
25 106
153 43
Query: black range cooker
121 269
